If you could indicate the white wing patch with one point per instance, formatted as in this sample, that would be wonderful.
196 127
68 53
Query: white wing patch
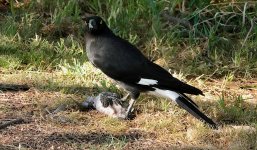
147 81
165 93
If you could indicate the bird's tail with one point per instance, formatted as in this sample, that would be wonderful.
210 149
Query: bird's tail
186 103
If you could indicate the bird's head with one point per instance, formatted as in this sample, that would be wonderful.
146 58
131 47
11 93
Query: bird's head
94 24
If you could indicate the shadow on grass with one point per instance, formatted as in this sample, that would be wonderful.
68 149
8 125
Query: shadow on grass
93 140
71 139
13 87
77 88
67 89
8 147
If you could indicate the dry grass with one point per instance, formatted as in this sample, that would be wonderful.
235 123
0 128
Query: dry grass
158 124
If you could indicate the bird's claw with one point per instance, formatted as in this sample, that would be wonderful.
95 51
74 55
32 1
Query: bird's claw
129 114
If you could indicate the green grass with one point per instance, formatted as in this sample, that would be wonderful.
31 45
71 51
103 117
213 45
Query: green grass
42 45
221 39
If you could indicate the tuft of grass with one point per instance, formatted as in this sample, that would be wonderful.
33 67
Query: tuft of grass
38 53
237 110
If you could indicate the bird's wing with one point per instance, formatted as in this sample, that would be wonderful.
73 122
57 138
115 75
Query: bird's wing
155 76
122 61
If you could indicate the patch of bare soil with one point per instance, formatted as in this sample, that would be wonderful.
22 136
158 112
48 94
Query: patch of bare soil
91 130
39 132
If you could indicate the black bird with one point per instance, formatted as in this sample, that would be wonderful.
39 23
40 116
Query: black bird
124 63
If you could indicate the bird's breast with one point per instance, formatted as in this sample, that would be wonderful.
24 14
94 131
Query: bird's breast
92 51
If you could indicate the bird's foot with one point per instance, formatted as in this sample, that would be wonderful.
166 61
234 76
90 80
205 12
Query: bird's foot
130 108
130 115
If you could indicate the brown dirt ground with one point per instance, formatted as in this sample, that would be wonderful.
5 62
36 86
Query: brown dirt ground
84 130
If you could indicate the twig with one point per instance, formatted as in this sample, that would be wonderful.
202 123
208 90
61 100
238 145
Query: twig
53 115
245 7
231 17
183 7
60 108
49 113
218 14
12 122
250 30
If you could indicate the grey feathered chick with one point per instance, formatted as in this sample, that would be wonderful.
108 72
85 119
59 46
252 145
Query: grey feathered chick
107 103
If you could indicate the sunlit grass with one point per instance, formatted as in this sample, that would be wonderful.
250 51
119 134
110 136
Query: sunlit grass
219 43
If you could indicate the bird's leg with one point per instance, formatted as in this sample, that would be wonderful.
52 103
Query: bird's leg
125 97
129 109
134 95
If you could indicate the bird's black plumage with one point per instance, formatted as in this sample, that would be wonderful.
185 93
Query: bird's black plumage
124 63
